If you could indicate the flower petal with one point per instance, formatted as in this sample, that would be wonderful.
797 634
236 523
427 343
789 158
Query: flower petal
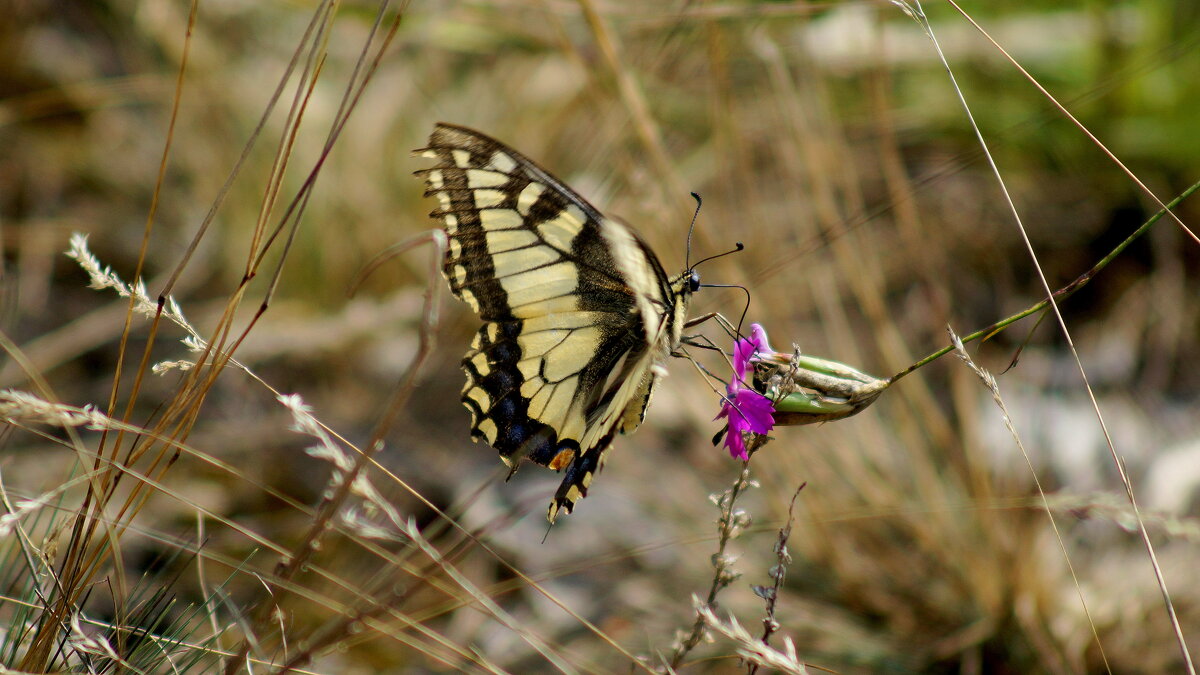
744 408
725 408
736 445
743 349
759 337
755 412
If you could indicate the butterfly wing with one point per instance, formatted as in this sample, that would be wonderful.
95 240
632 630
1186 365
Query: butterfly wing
578 312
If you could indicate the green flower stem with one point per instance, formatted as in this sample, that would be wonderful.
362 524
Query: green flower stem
1060 294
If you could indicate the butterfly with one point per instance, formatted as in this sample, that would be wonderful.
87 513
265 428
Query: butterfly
579 316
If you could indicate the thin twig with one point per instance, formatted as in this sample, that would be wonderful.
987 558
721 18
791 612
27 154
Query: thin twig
777 573
731 524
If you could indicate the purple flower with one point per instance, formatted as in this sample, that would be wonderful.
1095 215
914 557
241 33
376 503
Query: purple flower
746 409
759 337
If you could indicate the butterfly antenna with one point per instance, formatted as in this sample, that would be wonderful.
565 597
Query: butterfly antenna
738 247
692 228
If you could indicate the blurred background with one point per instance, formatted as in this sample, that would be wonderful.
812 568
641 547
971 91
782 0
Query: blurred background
825 136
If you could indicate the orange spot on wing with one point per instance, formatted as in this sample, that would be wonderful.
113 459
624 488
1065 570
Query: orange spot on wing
562 459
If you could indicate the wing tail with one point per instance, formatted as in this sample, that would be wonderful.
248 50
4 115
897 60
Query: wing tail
578 478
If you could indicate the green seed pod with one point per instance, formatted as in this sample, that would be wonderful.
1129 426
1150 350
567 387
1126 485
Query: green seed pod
807 389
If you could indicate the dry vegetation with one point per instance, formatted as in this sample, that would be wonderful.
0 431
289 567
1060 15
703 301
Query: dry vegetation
169 527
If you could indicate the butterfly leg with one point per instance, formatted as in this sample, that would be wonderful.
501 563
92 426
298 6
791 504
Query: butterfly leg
697 341
691 323
703 341
724 323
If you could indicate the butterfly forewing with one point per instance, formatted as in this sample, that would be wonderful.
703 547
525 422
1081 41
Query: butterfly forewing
578 312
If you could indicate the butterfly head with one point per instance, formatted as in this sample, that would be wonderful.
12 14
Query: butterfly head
684 285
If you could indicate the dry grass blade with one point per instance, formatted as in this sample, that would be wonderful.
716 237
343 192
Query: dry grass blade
1066 333
1059 295
990 382
1066 113
635 100
750 648
296 490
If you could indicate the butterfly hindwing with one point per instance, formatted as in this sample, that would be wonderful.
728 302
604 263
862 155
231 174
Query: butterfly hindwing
578 312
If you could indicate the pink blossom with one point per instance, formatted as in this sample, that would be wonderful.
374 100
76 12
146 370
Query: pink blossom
744 408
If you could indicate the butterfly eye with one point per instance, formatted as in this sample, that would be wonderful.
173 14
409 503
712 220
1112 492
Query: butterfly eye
694 281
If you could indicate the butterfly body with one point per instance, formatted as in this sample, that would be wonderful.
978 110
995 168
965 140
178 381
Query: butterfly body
579 316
